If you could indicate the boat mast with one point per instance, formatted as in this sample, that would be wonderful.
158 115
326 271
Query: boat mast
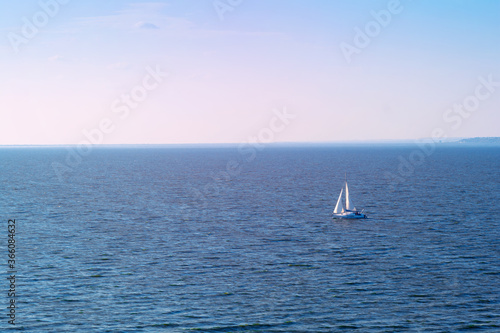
346 192
348 203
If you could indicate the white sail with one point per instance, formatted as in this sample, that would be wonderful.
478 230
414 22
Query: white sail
348 204
339 208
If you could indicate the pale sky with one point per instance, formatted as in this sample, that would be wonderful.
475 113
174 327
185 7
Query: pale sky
346 70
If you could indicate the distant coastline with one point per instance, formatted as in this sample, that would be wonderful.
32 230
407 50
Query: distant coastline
483 141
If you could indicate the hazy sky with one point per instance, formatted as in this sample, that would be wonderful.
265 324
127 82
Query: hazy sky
196 71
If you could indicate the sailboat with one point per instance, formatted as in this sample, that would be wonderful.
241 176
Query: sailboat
350 212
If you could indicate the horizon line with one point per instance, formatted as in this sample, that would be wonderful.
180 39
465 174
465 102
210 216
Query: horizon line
302 143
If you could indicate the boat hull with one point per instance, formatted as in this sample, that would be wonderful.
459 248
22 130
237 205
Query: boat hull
349 216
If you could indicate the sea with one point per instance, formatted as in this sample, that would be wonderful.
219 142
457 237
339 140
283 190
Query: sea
241 239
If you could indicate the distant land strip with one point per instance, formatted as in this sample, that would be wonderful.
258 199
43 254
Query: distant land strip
481 141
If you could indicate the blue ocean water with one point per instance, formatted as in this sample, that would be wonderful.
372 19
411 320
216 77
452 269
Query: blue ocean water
180 239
